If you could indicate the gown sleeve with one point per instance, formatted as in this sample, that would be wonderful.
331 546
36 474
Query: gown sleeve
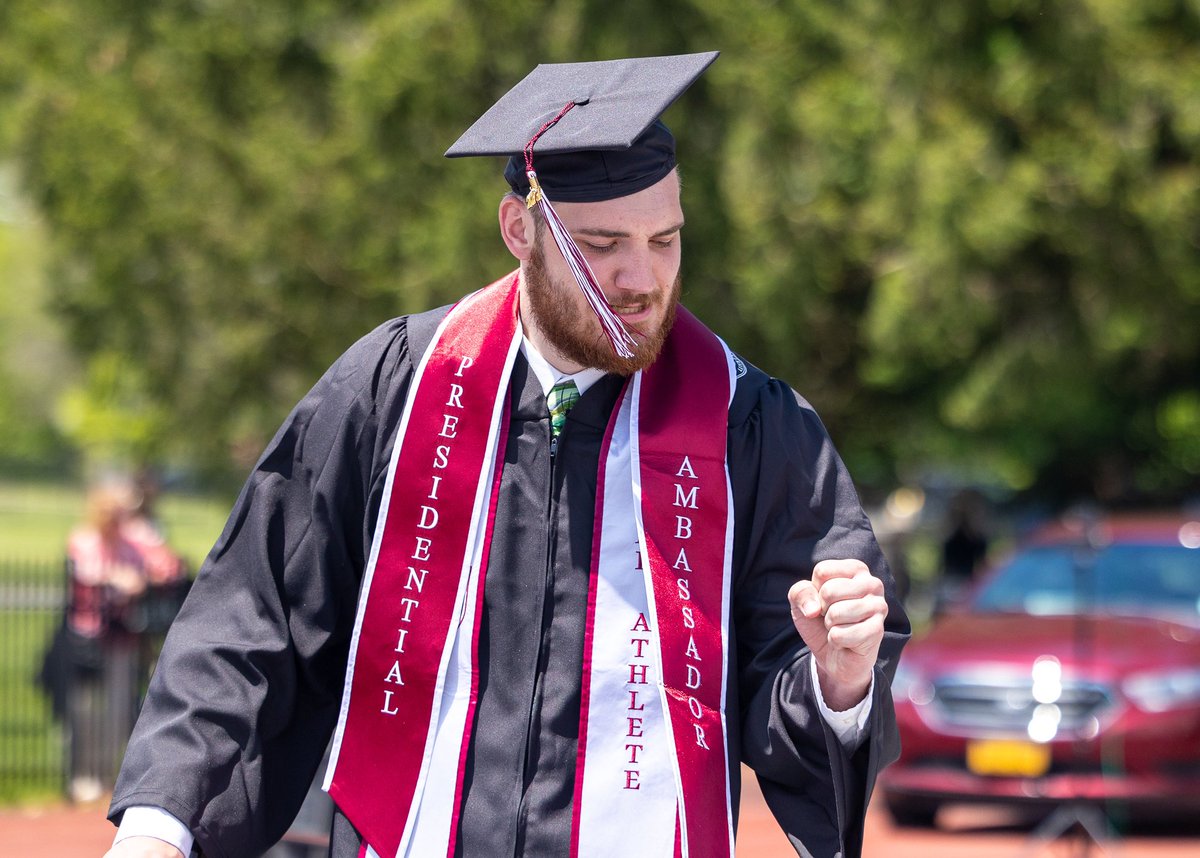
247 688
795 506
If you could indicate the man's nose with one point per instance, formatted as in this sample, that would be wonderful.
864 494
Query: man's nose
636 273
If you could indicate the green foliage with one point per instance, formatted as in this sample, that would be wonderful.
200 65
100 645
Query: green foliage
111 418
967 232
981 224
34 365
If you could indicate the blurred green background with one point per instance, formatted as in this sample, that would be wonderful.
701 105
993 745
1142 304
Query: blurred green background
968 233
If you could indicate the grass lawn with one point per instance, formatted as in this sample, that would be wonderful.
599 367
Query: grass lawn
35 519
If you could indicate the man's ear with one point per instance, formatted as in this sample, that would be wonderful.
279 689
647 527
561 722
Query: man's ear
517 227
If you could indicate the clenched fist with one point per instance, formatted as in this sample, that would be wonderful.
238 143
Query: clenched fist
840 614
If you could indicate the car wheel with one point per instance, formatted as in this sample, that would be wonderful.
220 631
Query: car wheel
912 812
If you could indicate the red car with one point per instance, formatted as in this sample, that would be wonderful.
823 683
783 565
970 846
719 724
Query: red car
1071 673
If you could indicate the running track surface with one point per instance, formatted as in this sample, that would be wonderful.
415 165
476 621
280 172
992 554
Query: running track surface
65 831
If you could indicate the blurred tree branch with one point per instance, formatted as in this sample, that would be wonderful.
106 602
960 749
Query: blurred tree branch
968 233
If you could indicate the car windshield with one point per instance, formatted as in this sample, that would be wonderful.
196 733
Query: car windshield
1137 580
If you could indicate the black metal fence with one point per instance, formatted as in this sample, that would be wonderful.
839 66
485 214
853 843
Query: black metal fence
67 701
66 706
32 739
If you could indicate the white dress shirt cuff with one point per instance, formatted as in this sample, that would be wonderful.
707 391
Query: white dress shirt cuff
157 823
850 726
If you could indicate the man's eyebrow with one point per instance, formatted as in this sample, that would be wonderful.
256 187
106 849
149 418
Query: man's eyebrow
616 233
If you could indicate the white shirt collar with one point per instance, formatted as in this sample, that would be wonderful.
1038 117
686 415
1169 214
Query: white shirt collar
548 376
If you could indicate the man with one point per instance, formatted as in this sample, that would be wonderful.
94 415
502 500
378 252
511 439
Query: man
535 627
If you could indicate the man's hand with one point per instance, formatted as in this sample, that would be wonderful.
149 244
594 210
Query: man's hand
839 614
143 847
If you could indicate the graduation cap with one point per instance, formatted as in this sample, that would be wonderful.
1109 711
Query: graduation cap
594 127
596 132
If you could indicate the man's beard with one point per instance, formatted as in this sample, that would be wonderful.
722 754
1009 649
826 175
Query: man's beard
576 334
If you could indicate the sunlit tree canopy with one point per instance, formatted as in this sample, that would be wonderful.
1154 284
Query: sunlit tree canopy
968 233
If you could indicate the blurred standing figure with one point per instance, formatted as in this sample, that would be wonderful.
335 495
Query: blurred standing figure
111 562
142 523
963 550
142 528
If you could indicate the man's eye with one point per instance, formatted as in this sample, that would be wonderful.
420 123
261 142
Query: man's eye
599 248
663 243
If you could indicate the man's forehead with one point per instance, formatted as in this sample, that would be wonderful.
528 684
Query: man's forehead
654 211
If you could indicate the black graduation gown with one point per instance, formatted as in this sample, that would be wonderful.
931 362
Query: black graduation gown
248 685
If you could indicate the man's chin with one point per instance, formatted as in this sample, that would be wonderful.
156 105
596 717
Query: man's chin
649 345
580 340
645 330
600 354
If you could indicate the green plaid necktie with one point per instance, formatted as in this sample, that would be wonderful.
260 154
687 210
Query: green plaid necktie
561 398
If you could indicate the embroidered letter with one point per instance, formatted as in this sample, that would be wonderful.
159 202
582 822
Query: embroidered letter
637 674
408 604
635 727
694 707
683 527
437 481
443 456
687 500
633 749
633 704
685 595
421 552
449 426
466 362
387 701
413 579
681 562
639 642
689 619
394 674
400 641
693 677
685 469
692 651
429 518
700 737
631 779
641 625
455 400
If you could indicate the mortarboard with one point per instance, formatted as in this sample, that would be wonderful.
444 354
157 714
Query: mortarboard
597 134
608 144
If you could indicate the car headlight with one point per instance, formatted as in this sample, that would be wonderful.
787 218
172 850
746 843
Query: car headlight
1159 691
910 684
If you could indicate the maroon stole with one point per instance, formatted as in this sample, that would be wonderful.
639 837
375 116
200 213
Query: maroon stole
411 685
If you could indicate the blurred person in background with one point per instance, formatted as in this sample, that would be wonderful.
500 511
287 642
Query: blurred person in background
112 563
964 548
144 524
